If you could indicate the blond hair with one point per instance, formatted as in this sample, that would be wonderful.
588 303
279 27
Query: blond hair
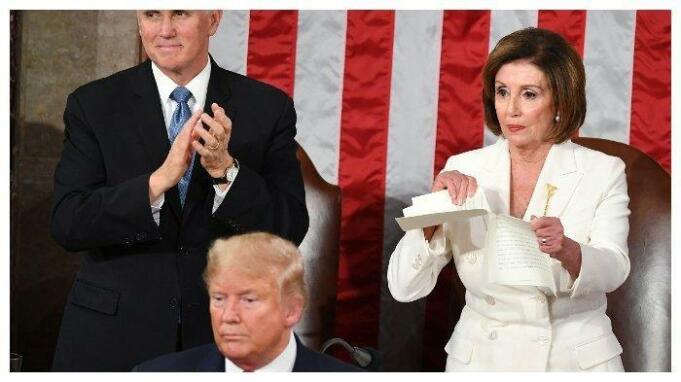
259 255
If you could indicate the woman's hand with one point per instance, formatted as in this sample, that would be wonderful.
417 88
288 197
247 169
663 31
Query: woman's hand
459 186
552 241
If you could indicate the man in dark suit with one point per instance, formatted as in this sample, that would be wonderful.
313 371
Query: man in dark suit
158 161
257 294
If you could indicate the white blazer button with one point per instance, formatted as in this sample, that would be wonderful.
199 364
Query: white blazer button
490 300
472 258
493 335
417 262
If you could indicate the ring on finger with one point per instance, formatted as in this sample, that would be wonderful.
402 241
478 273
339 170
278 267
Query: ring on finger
214 146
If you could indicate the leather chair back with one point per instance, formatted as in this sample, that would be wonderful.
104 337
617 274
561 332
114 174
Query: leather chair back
640 309
320 251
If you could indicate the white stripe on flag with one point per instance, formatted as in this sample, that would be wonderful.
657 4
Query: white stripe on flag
503 23
413 104
608 60
411 146
229 45
320 59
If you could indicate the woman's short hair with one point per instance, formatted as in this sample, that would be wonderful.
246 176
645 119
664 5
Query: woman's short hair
259 255
562 67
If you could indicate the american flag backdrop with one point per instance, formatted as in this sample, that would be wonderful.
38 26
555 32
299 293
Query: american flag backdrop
384 97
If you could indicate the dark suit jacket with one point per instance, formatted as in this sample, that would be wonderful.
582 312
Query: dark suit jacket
136 278
208 358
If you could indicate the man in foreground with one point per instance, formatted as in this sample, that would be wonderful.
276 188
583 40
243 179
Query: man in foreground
257 294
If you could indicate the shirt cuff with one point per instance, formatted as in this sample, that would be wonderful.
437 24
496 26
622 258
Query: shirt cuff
220 195
156 206
158 203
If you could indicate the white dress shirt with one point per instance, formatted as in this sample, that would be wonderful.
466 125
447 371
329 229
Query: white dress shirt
198 86
283 363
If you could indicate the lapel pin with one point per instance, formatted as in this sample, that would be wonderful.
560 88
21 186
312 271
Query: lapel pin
550 190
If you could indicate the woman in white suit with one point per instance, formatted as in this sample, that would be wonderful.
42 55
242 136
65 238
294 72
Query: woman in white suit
534 99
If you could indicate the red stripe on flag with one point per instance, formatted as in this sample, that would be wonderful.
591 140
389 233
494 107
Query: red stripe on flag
272 48
650 129
361 173
569 24
465 44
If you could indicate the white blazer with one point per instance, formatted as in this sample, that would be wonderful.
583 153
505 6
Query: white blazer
521 328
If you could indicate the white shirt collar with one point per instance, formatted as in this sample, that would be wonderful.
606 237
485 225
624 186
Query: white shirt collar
198 86
283 363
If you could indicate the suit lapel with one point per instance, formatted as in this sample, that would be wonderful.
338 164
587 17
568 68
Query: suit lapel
561 171
302 361
218 92
218 88
212 360
147 112
497 170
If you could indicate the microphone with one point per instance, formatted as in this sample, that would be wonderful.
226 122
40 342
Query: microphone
367 358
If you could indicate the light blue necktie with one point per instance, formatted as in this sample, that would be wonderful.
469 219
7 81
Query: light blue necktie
181 115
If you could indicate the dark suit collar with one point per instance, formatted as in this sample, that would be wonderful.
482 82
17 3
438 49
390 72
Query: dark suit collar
304 356
218 87
143 83
212 360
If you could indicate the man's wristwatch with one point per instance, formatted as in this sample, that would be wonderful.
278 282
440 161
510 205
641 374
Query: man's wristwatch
230 174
